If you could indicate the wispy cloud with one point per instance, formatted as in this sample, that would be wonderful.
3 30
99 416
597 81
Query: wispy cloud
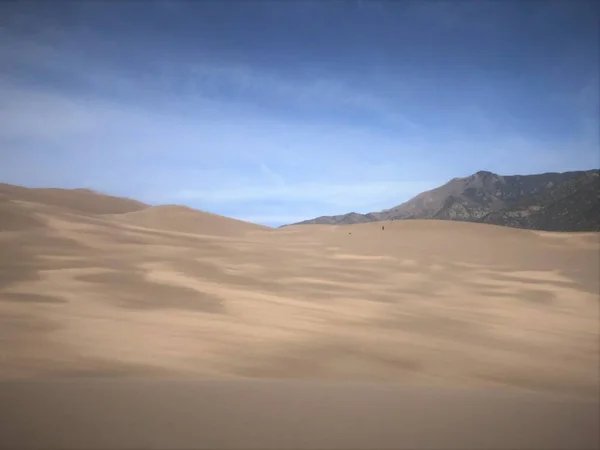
275 178
201 82
334 194
192 159
323 92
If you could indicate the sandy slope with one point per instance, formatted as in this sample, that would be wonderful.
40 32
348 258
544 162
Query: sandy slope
187 220
454 303
167 292
278 415
81 200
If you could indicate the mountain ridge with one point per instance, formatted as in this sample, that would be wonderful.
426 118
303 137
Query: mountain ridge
551 201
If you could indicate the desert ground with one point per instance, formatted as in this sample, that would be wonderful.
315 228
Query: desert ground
101 289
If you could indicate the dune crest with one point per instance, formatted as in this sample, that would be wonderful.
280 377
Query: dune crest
79 200
184 219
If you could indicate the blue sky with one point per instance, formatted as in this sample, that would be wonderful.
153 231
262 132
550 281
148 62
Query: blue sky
279 111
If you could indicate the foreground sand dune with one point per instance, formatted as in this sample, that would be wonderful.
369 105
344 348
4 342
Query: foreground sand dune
280 415
172 293
457 303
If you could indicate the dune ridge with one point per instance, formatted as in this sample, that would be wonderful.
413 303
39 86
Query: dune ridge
80 200
187 220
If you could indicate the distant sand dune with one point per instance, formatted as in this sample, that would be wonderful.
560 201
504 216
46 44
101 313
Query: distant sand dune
80 200
188 220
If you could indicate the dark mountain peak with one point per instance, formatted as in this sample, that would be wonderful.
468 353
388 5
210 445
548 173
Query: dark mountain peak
485 175
547 201
482 175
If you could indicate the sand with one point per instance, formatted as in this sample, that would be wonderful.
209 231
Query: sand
97 288
286 415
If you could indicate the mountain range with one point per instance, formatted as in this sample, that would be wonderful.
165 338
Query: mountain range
568 201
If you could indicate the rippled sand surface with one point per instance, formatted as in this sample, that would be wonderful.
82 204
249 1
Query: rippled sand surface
95 288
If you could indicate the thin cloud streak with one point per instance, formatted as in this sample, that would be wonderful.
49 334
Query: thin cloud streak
200 81
336 194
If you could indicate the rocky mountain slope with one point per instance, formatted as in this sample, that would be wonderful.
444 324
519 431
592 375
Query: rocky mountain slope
568 201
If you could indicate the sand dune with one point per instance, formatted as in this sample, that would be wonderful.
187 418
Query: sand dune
168 292
187 220
81 200
14 217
